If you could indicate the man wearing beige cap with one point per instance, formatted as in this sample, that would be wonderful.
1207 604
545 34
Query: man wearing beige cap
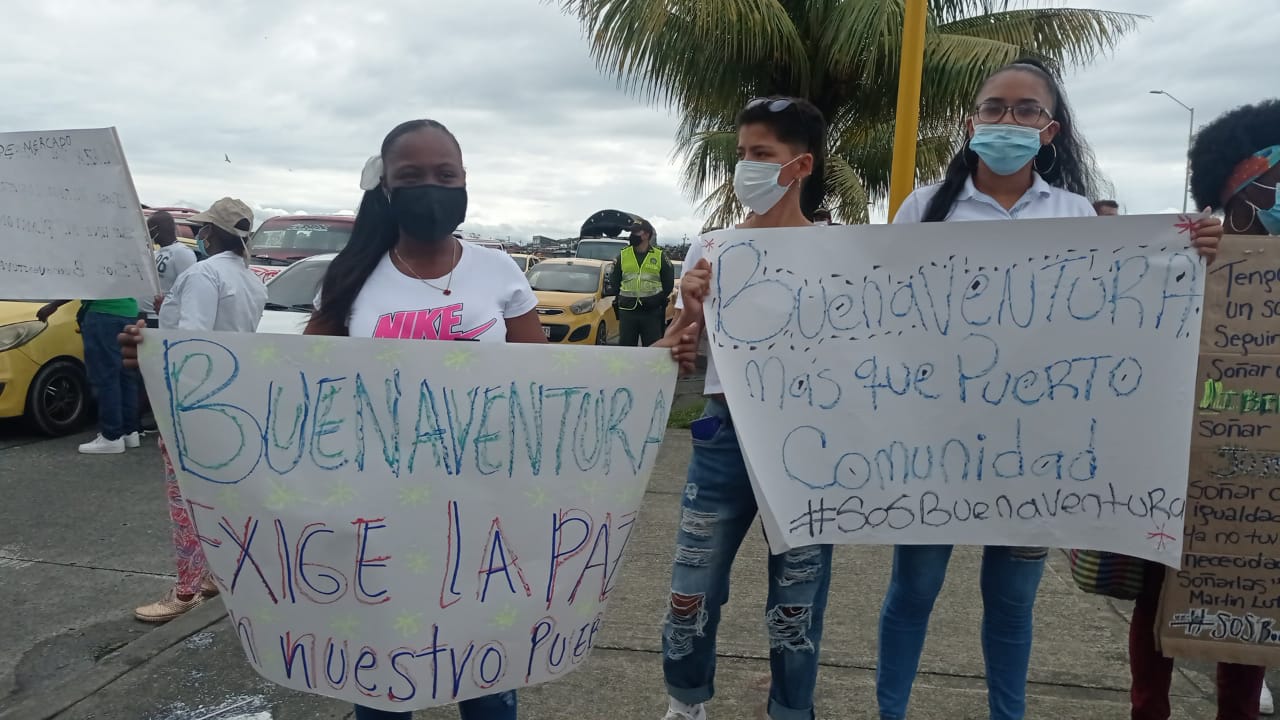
220 293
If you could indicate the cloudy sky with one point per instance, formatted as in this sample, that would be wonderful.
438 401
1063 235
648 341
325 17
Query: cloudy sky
299 93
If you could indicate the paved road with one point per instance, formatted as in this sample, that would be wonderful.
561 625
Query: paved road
85 539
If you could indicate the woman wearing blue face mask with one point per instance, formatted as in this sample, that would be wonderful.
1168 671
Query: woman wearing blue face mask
1022 159
1235 168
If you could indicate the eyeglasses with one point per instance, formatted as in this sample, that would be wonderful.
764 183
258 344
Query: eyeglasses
774 104
994 112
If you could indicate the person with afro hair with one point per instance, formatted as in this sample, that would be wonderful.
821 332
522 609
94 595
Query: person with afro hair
1235 167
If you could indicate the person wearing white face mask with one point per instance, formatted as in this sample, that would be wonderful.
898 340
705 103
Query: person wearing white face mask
781 144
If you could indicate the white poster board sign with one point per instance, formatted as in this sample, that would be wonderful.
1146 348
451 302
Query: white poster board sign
408 524
70 221
1005 383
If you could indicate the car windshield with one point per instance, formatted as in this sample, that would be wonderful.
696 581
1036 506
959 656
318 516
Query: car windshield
600 250
296 287
558 277
315 236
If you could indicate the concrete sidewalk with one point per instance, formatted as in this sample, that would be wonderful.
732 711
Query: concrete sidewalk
193 668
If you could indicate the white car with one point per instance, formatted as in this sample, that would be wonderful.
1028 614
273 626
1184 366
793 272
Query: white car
291 295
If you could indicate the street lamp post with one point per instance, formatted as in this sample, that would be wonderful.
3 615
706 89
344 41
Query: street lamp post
1191 131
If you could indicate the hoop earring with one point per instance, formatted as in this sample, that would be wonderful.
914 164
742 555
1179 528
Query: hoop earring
1231 222
1052 163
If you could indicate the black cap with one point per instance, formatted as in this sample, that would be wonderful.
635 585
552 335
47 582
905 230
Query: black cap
640 223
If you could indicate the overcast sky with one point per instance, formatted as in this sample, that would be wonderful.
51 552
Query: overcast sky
299 93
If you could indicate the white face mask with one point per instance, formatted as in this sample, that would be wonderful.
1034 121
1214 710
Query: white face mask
756 184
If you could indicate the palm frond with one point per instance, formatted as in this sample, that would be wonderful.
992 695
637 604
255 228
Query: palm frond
709 157
1061 36
846 195
704 58
698 55
721 207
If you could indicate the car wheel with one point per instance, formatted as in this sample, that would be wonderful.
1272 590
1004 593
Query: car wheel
602 334
59 398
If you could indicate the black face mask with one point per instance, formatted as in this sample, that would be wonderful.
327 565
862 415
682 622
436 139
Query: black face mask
429 213
635 240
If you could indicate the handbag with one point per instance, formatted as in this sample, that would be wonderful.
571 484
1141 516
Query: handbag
1105 573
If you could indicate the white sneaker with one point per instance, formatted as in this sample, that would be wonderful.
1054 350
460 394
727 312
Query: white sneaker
102 446
1266 703
132 440
677 710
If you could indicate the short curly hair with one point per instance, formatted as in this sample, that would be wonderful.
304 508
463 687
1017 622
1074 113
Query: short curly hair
1223 143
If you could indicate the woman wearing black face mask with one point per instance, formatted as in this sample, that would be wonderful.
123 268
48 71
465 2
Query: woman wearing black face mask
404 275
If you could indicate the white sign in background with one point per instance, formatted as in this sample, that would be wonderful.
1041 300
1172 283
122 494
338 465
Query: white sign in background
408 524
71 225
1023 383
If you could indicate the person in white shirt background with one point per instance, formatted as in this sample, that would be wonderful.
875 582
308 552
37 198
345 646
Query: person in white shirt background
220 294
172 259
403 274
1023 159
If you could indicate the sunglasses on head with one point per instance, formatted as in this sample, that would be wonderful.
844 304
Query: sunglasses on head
774 104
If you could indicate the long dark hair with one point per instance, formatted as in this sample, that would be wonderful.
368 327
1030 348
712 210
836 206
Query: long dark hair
801 124
372 237
1068 162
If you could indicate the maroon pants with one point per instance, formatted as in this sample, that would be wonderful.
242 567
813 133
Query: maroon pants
1238 685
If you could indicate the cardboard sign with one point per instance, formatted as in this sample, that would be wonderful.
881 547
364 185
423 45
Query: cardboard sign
70 218
1224 604
408 524
1001 383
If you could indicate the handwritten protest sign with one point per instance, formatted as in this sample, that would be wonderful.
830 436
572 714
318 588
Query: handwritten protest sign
70 218
1007 383
1225 602
404 524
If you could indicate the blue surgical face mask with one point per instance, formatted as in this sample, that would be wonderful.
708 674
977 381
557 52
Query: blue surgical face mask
1269 217
1005 149
200 248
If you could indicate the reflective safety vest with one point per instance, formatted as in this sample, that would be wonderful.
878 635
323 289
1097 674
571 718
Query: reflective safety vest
641 280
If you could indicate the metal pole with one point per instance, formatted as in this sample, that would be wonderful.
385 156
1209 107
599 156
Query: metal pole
1191 133
906 134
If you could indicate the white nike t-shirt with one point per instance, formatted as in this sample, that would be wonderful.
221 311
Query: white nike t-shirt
487 289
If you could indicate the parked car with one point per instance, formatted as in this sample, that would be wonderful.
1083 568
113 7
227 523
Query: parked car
281 241
525 261
291 295
574 303
42 374
184 228
598 238
491 244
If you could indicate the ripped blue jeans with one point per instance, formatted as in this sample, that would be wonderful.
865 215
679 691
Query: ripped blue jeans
716 512
1010 579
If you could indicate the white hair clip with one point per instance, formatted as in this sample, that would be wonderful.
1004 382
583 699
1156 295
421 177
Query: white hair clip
371 175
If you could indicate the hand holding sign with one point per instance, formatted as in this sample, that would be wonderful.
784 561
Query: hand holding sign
695 283
404 525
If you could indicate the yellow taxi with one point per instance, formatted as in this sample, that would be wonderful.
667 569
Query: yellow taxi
572 301
525 261
42 367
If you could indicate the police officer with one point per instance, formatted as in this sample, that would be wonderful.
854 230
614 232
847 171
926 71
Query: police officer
644 278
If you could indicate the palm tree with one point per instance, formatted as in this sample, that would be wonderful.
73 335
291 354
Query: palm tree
706 58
